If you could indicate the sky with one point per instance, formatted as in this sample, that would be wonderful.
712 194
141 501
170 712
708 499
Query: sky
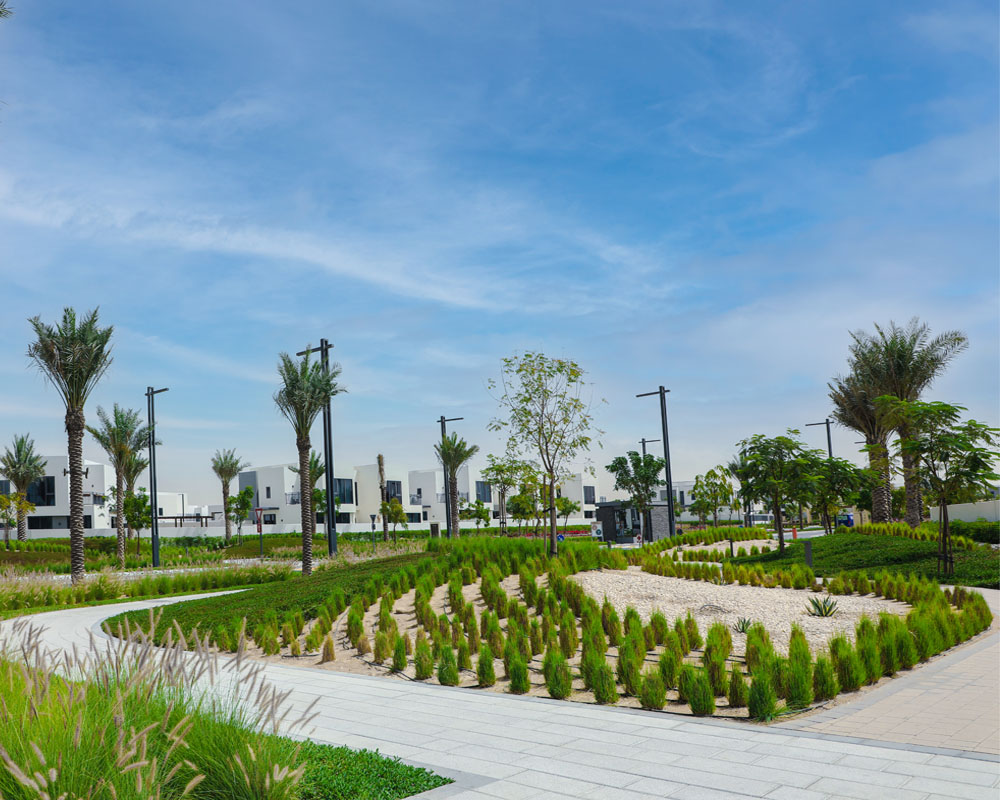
707 196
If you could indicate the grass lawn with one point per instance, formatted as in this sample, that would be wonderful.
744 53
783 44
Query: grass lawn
850 552
299 593
337 773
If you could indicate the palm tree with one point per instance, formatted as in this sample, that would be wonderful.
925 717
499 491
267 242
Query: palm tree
383 499
317 469
120 435
73 355
133 467
854 408
22 466
453 452
227 465
903 362
306 389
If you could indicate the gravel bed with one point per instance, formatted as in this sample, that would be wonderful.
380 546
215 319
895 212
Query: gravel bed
709 602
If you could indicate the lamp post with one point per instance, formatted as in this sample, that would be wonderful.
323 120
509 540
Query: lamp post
373 533
662 392
154 522
829 440
644 442
330 512
444 470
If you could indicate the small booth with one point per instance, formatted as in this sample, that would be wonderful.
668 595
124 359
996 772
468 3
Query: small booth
620 522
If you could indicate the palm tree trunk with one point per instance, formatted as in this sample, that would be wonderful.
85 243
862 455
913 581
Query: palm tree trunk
453 494
225 511
22 522
305 501
75 426
120 518
911 480
878 460
779 525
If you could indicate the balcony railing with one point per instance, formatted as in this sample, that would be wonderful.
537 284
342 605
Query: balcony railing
461 496
293 498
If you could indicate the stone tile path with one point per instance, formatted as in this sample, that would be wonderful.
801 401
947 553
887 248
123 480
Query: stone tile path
501 746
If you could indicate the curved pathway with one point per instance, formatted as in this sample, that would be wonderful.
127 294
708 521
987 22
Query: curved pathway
502 746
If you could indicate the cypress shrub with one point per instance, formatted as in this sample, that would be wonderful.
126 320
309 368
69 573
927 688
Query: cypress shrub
762 702
682 637
364 646
382 651
355 625
519 681
484 669
447 668
759 649
296 648
605 691
408 644
684 680
906 645
423 660
866 644
537 643
399 655
737 694
328 653
660 627
800 670
591 662
652 694
669 666
825 686
630 657
464 656
568 639
887 645
693 635
558 680
847 664
649 637
701 697
633 622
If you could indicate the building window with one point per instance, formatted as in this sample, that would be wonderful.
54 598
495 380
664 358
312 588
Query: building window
589 495
588 514
42 492
393 489
344 518
425 516
412 517
344 489
267 492
484 492
270 519
88 522
40 523
682 497
4 487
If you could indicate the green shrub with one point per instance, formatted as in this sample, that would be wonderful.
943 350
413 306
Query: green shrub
759 649
685 677
682 637
887 645
364 646
737 693
464 656
484 668
328 653
762 702
605 690
846 663
825 685
558 680
423 660
519 681
800 670
631 655
399 655
700 695
383 649
568 639
447 670
693 635
669 666
652 694
866 644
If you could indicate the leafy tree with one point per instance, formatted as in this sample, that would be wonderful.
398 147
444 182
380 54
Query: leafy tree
837 484
120 435
741 501
138 514
394 514
453 453
503 475
476 511
565 507
133 467
22 466
639 476
13 508
701 508
854 408
546 416
778 472
306 388
227 466
522 507
239 507
903 361
953 456
716 489
73 355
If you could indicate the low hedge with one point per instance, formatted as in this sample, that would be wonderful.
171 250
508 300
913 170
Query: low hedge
979 531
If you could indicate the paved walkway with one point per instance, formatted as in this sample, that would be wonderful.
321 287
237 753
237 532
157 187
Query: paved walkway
502 746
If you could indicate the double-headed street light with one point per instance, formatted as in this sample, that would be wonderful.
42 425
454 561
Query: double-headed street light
444 470
662 392
330 513
154 522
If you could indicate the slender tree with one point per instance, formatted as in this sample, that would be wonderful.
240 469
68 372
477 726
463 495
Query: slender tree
503 475
903 361
453 453
854 407
73 355
133 468
639 475
306 388
714 486
383 497
120 435
22 466
546 416
227 466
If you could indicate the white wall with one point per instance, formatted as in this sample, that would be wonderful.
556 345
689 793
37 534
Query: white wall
970 512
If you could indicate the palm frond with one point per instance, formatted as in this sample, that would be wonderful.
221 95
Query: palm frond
73 355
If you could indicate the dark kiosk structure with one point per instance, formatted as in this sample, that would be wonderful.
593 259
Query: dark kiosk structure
619 522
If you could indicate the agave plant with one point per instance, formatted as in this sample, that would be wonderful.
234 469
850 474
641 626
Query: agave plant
822 606
742 625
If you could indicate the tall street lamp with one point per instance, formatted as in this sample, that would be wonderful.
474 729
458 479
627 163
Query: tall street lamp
154 522
330 513
444 470
373 532
662 392
644 442
829 440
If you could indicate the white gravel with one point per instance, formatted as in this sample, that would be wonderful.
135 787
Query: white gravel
708 603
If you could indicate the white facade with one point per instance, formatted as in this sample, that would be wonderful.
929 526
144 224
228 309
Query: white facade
582 490
276 493
50 495
427 491
369 494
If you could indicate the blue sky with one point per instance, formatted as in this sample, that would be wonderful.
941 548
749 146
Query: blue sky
704 195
